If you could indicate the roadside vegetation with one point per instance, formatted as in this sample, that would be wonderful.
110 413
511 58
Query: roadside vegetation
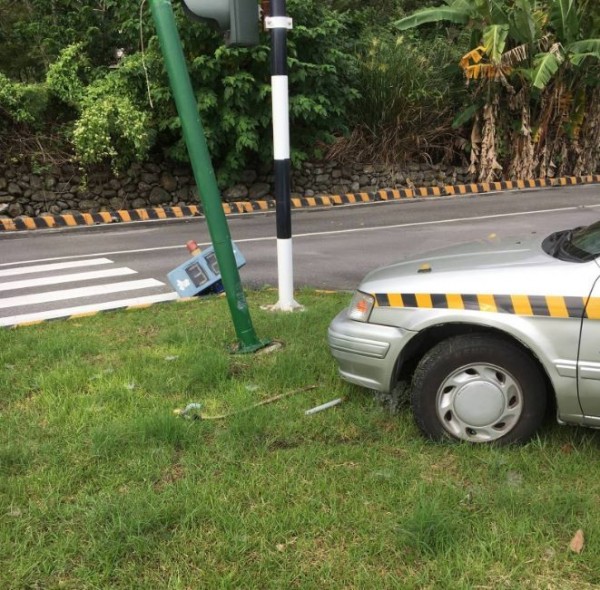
102 486
533 70
509 87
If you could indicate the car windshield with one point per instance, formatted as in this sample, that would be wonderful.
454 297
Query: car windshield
574 245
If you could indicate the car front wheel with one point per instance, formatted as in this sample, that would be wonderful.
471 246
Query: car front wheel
478 388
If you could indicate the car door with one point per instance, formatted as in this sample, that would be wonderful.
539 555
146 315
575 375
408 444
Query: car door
588 364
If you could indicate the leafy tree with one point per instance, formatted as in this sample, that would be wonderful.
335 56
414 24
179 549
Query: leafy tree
34 32
535 60
113 97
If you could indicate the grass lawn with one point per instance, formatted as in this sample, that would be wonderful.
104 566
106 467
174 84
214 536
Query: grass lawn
102 486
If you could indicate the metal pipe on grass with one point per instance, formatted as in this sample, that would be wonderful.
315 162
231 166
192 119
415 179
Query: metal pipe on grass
326 406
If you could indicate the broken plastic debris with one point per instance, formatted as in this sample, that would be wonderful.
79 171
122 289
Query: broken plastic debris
190 412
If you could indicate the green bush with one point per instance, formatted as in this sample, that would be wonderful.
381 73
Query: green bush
234 96
21 103
407 99
120 110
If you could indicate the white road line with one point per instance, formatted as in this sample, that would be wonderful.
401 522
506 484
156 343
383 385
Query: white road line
26 270
322 233
70 278
79 292
84 309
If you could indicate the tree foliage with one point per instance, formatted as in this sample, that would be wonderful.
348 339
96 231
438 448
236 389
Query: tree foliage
113 97
377 79
406 103
536 63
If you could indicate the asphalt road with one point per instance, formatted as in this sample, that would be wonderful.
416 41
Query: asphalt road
46 271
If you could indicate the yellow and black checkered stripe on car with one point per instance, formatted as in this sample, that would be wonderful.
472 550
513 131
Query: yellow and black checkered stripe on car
555 306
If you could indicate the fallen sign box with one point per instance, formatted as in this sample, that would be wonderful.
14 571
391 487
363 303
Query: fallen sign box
200 274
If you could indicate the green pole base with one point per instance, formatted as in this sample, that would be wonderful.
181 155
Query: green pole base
251 348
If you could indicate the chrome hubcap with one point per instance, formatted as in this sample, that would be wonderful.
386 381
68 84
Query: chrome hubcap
479 402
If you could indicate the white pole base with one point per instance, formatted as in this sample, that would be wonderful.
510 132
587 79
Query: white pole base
284 306
286 279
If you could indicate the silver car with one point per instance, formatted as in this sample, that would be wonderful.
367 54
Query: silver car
488 335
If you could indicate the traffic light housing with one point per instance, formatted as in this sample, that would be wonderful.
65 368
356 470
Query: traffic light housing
237 19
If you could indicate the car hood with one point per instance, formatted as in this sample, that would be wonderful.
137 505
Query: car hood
510 265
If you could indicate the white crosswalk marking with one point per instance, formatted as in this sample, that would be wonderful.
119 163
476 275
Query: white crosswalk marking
26 270
32 299
78 292
70 278
82 310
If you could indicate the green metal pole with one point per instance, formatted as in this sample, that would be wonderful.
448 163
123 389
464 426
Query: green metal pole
193 133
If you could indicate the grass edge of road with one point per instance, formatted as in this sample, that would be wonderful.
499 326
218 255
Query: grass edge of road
102 486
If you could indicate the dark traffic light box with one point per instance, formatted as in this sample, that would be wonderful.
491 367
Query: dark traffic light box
237 19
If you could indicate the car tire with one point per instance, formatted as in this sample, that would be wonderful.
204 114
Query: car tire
478 388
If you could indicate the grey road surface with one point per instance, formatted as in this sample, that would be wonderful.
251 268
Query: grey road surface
333 248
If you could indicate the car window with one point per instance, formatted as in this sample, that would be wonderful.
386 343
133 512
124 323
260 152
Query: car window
574 245
587 239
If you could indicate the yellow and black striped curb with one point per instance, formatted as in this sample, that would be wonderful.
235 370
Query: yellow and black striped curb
79 219
155 213
554 306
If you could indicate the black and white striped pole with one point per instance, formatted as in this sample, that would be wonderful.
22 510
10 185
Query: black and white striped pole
279 24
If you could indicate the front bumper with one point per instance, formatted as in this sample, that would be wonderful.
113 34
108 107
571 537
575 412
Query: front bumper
366 353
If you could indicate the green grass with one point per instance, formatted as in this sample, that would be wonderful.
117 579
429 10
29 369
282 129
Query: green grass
102 486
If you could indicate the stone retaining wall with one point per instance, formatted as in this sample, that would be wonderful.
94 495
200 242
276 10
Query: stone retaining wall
66 189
